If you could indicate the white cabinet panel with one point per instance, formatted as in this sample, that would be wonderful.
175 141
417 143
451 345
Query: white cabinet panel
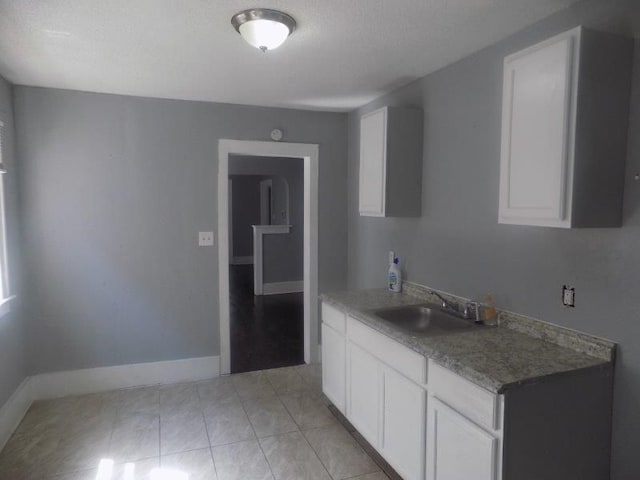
391 162
540 92
334 318
457 449
565 101
373 162
334 366
363 392
538 104
403 425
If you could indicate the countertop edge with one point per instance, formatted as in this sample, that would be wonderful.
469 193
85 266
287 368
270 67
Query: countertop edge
464 370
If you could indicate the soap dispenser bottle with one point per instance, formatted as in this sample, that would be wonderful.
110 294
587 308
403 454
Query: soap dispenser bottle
394 277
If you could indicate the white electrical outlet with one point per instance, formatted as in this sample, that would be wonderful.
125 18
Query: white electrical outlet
568 296
205 239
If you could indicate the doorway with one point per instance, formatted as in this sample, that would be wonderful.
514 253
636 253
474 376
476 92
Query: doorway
306 154
266 309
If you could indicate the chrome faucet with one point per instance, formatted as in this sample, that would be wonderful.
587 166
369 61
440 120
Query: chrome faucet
446 305
472 311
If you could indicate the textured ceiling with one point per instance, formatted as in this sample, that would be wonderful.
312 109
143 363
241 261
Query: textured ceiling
343 54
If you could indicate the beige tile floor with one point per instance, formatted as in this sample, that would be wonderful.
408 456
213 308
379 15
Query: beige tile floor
267 425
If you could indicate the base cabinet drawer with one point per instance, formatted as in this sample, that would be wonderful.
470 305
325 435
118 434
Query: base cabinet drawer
458 449
474 402
334 318
334 366
403 425
390 352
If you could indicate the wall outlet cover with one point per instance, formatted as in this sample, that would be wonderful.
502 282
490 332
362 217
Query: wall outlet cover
568 296
205 239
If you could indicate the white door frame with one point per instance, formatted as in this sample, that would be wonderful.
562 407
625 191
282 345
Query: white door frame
309 153
230 219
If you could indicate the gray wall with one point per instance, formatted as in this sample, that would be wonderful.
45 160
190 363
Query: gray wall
246 212
12 344
457 244
282 253
114 190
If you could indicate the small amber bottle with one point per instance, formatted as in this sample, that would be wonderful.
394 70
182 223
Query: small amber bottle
489 312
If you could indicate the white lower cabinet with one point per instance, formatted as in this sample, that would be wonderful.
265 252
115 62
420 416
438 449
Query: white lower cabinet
403 424
431 423
363 392
458 449
386 397
388 392
334 366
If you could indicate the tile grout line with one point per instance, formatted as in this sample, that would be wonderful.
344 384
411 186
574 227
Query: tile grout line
316 454
273 475
159 432
315 451
254 430
113 426
206 428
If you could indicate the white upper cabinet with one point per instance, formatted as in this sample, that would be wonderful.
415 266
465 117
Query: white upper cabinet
565 110
391 162
373 163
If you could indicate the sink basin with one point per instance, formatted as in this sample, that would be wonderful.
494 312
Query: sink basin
424 320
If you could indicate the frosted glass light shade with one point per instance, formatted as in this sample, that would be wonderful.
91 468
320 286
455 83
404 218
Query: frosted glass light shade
262 28
264 34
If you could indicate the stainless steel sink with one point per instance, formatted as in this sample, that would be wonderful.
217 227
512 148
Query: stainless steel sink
424 320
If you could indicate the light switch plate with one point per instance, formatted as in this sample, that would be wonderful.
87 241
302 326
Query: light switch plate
205 239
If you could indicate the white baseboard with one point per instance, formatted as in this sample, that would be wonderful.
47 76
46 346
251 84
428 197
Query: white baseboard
276 288
94 380
242 260
14 410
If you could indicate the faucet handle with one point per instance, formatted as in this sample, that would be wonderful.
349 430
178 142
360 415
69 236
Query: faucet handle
472 311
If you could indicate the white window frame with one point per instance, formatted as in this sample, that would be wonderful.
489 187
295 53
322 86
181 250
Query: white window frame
5 290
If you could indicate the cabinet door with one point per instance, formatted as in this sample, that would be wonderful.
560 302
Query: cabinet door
373 161
333 366
457 449
403 425
537 111
363 392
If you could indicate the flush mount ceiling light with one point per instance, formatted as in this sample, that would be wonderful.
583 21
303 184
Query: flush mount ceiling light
263 28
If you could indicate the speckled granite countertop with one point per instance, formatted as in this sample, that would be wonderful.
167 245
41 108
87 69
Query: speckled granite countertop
495 357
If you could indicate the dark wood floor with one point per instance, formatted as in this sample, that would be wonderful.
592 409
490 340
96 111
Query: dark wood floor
266 330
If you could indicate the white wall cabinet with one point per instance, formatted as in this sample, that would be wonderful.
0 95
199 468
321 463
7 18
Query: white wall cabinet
373 163
391 162
565 110
458 449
